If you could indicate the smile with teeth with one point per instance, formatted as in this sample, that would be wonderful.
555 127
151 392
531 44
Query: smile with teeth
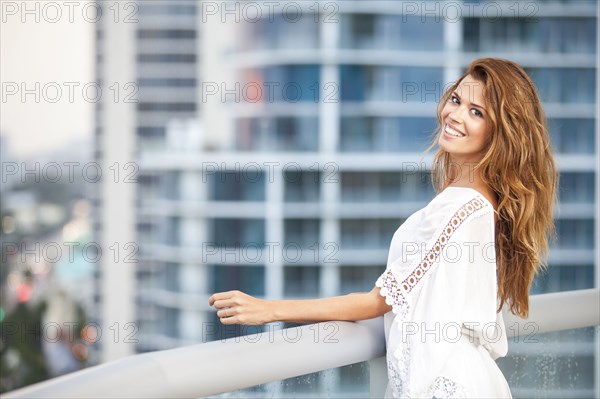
453 132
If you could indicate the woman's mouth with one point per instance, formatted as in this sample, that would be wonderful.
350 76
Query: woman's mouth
452 132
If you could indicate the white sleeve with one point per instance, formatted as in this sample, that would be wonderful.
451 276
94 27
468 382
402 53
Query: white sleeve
449 285
432 245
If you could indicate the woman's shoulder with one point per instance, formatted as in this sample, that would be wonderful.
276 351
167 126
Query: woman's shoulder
462 201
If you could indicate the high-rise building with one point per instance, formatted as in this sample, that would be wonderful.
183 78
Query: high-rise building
277 155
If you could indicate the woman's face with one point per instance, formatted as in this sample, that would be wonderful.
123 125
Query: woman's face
464 122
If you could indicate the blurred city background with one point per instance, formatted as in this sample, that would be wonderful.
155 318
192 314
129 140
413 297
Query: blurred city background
155 152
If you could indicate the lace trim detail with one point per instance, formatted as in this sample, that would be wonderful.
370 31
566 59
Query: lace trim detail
395 379
396 293
444 387
391 291
434 253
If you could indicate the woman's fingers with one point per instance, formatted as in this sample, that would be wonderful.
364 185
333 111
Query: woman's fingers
230 320
227 312
236 307
220 296
224 303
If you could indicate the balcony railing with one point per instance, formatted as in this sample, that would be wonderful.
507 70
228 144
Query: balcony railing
236 363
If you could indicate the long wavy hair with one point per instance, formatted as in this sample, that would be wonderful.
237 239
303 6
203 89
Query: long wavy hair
519 167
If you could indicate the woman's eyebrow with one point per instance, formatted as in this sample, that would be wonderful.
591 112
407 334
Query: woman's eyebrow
473 104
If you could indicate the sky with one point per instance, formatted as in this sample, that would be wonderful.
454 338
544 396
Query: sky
59 57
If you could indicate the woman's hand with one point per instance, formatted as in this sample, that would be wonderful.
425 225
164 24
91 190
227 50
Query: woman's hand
236 307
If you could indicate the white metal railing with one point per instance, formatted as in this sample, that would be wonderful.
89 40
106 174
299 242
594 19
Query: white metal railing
236 363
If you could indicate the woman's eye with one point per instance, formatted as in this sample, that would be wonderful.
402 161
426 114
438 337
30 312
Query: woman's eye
476 112
454 99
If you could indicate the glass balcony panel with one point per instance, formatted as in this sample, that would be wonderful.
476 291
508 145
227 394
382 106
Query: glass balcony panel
551 365
350 381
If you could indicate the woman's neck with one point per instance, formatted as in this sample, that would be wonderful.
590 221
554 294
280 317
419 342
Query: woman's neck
463 174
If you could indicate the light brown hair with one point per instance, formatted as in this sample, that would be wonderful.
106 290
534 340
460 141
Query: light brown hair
519 167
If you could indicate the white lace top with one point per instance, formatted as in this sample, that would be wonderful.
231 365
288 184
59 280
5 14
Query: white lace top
444 333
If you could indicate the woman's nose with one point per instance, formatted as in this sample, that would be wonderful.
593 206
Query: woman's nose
457 114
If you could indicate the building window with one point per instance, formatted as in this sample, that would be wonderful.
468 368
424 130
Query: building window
167 82
168 107
301 185
386 186
572 136
405 134
564 278
301 233
368 233
249 279
565 85
544 35
277 32
166 34
392 32
391 83
170 322
170 231
238 232
301 281
151 131
359 278
167 58
575 233
170 277
166 8
278 134
577 187
246 185
281 83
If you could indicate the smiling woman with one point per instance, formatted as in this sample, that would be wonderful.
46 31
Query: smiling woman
455 263
464 123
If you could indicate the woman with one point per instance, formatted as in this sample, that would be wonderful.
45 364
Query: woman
454 264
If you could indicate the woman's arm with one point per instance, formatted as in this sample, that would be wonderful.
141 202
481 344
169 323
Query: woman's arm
236 307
